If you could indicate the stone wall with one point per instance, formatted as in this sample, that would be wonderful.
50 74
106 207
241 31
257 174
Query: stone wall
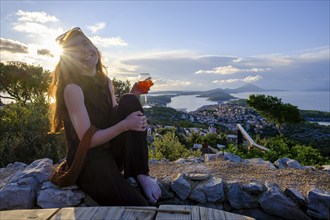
26 186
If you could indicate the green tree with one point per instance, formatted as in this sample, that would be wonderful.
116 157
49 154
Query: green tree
23 82
120 87
274 110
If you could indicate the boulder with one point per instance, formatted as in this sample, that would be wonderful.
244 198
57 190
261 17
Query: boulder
318 204
208 191
239 199
296 196
15 196
288 163
7 172
198 195
253 188
274 202
40 169
181 187
165 186
259 161
198 176
210 157
180 161
232 157
281 163
19 190
194 159
294 164
51 196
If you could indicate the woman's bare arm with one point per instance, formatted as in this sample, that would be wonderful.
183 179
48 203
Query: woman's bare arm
74 100
112 92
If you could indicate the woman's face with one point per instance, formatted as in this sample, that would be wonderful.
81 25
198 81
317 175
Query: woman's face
81 52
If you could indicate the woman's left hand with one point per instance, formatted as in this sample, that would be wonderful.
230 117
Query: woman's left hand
135 121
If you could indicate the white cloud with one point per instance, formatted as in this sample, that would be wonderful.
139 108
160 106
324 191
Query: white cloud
237 60
220 70
36 29
224 70
252 78
95 28
39 17
107 42
247 79
36 24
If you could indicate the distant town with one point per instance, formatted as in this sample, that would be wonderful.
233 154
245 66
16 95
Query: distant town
224 117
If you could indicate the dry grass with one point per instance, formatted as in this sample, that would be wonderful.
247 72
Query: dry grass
302 180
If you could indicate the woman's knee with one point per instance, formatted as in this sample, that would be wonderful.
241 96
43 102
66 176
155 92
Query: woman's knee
129 102
129 97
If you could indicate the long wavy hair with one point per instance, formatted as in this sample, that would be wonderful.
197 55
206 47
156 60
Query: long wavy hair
65 73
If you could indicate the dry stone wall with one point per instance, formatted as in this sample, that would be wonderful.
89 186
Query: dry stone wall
26 186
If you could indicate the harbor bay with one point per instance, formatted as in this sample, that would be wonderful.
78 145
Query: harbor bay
304 100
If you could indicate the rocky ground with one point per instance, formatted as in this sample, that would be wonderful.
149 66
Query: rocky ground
250 187
301 179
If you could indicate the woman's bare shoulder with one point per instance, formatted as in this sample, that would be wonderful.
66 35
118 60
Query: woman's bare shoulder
73 91
72 87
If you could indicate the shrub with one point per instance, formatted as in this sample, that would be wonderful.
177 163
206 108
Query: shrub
24 133
168 146
280 147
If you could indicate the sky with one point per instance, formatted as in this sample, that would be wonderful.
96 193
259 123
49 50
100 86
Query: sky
184 45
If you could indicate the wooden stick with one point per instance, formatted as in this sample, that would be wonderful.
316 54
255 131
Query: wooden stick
183 211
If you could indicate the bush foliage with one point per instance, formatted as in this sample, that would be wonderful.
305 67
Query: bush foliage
24 134
280 147
168 146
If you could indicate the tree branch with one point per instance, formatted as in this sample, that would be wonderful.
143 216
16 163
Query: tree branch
7 97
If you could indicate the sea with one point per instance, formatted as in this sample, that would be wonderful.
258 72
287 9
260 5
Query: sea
304 100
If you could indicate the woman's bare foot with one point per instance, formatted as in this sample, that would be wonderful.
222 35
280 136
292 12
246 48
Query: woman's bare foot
150 188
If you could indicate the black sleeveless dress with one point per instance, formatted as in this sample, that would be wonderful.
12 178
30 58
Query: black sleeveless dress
101 176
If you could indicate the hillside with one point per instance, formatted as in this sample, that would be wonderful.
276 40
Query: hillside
218 94
246 88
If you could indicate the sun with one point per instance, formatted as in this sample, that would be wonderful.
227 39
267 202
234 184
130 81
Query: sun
50 49
55 49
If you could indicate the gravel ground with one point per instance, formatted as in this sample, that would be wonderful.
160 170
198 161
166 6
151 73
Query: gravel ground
302 180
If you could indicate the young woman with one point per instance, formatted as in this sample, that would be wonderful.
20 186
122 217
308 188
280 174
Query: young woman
83 98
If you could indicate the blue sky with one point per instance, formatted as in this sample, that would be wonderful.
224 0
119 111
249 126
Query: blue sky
184 45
